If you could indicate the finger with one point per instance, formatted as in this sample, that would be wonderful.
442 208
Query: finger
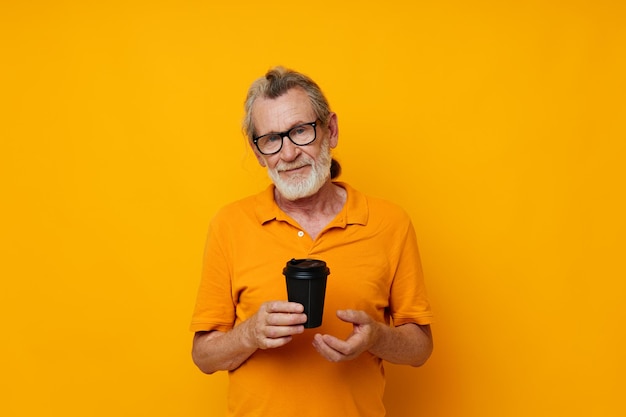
277 332
341 346
285 319
276 336
326 351
283 307
354 316
333 348
271 343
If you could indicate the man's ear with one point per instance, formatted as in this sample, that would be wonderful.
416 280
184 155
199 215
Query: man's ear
333 130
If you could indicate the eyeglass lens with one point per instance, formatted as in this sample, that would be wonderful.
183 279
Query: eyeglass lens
300 135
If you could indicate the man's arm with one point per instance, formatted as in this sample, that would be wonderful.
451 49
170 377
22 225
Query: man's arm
272 326
409 344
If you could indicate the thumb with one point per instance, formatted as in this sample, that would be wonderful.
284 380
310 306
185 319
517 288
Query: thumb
353 316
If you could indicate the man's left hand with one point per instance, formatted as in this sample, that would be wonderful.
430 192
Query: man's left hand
365 333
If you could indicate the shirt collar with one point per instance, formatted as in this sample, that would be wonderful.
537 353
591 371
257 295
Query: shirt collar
355 211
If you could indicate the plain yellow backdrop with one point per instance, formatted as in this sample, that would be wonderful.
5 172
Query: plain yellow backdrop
498 125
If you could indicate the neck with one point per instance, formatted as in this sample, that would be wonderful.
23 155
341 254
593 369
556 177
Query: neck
328 200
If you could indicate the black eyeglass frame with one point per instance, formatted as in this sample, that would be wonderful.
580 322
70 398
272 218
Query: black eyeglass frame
285 134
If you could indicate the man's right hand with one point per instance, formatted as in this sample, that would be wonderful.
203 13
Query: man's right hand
272 326
275 323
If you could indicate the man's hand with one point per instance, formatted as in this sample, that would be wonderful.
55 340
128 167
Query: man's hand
409 344
271 326
275 323
365 333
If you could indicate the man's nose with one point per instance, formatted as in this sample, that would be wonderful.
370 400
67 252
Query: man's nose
289 151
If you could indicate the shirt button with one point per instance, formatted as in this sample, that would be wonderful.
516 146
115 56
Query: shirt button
300 233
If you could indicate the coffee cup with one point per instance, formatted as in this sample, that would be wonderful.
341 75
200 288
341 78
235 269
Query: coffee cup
306 284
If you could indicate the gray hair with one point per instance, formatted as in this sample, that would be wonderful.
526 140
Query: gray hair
278 81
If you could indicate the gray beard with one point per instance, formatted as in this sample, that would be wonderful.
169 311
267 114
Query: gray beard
301 187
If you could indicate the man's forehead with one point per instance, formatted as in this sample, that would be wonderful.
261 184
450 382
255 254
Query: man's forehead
292 107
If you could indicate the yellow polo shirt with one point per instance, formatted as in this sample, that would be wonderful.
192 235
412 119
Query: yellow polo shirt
371 250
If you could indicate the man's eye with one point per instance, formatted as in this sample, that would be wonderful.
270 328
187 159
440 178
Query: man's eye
273 138
298 130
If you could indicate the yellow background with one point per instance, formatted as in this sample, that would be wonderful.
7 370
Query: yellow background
499 126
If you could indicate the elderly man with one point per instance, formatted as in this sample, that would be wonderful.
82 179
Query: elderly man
376 307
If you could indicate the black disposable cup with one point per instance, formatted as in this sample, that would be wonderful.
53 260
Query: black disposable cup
306 284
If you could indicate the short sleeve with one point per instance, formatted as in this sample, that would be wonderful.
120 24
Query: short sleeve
408 297
215 309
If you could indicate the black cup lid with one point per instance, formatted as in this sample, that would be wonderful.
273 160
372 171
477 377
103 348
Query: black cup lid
315 266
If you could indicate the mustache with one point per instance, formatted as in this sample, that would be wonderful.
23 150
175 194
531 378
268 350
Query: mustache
286 166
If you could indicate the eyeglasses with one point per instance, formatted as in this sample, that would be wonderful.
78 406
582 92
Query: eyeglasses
300 135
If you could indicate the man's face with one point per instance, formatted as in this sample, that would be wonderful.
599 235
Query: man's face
297 171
